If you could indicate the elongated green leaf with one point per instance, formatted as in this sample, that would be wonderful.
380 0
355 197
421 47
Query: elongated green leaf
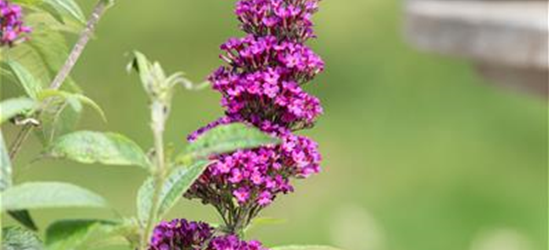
47 51
145 200
38 195
95 147
30 84
177 183
226 138
14 238
24 217
5 167
79 234
31 60
72 98
142 65
6 74
67 7
45 23
13 107
304 247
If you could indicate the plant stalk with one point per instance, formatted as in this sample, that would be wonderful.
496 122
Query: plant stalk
159 114
64 72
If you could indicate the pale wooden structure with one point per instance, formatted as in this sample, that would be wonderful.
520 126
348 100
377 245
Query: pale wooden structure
508 41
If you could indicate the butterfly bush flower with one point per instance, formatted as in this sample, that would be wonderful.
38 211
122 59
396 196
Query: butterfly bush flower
180 234
261 85
12 29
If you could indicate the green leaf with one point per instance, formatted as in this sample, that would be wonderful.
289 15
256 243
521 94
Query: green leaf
67 7
38 195
79 234
94 147
60 117
145 200
226 138
47 51
15 106
304 247
72 98
32 60
5 167
176 184
24 217
47 26
14 238
142 65
27 3
6 74
25 78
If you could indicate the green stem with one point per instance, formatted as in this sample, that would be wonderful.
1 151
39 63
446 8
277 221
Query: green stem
159 113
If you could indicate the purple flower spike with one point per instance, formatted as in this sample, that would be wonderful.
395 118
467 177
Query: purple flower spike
261 85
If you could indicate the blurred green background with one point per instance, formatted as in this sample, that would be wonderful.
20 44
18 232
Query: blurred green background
420 153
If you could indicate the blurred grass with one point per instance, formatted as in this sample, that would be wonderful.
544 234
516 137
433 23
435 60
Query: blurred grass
420 153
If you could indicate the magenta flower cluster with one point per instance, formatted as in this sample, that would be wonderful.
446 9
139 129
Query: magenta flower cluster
12 28
266 73
281 18
261 85
232 242
255 177
180 234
